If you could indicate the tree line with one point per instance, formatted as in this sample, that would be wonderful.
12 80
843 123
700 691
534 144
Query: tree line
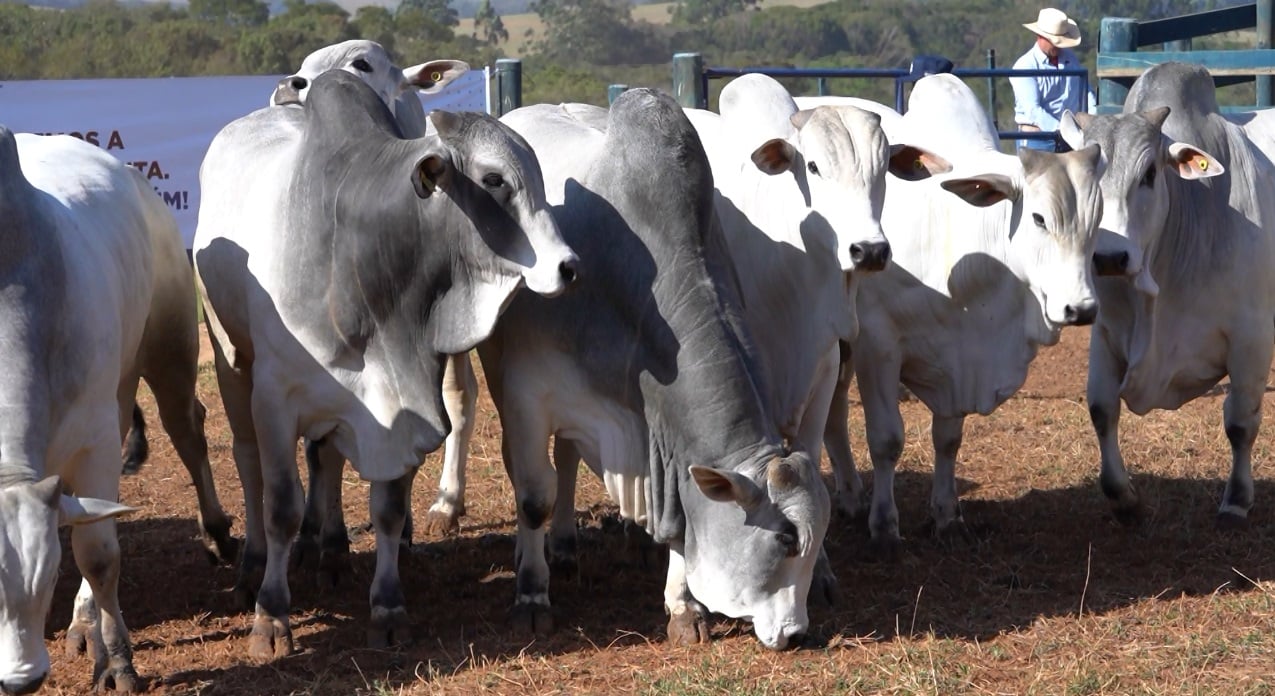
584 45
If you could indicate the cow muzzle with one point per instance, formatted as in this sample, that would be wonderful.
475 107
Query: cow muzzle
870 256
16 686
1082 314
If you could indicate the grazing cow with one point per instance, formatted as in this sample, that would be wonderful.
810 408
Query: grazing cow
1189 213
95 293
339 262
647 374
971 295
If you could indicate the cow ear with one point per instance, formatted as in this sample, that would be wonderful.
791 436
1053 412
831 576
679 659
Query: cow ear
445 122
73 510
1191 162
911 163
1157 116
434 75
799 119
48 490
1071 127
726 486
775 156
433 171
984 190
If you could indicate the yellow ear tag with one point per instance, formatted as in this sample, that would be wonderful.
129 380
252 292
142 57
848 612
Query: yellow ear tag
436 76
1202 163
918 164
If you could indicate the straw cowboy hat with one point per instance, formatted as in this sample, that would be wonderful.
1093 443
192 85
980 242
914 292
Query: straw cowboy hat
1056 28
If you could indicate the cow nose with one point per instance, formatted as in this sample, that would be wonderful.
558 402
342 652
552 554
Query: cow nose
870 256
23 685
567 271
1082 315
298 83
1111 263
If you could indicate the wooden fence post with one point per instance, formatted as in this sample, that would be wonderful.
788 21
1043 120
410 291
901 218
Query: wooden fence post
508 85
688 80
1117 34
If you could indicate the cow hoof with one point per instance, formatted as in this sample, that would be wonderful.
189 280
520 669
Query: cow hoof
687 628
333 563
825 590
955 534
222 548
388 628
886 548
1231 522
76 642
122 679
532 619
270 639
439 523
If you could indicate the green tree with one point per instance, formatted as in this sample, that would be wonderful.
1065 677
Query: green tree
598 32
375 23
693 12
489 25
436 11
235 13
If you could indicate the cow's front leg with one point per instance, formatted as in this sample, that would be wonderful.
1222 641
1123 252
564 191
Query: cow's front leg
235 385
1242 415
1106 371
535 488
687 618
460 395
847 485
271 632
879 389
945 506
388 502
323 537
97 554
83 626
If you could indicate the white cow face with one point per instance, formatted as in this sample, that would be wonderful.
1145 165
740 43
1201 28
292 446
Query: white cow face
370 62
839 157
30 554
1053 224
751 547
1135 193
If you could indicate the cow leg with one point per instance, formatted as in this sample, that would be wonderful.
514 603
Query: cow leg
879 389
83 627
1103 394
814 423
1248 364
136 448
687 618
388 503
173 383
460 394
323 534
235 386
945 506
563 544
535 488
847 485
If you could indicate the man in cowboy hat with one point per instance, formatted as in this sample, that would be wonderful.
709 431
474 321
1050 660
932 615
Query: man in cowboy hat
1040 101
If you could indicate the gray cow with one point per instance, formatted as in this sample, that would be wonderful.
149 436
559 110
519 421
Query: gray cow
646 371
1189 215
339 263
95 293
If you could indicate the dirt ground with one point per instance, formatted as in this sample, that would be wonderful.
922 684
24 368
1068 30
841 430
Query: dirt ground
1051 596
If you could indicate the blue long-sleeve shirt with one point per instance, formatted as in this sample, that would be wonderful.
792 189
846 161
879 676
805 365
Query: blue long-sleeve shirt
1040 101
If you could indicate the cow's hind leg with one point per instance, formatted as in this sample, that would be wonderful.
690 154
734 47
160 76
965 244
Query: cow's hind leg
563 539
323 537
1242 416
136 448
687 618
945 505
1106 372
879 388
460 394
535 489
847 485
388 502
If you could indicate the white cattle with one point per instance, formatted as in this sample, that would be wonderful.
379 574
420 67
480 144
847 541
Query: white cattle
339 263
972 293
95 293
1189 210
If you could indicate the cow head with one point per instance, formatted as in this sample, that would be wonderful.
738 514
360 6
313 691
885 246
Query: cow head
370 62
1056 206
753 541
1140 160
839 157
492 175
31 554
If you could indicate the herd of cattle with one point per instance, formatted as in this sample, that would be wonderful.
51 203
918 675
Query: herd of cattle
700 289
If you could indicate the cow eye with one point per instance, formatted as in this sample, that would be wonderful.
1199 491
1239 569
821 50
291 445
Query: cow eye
788 540
1148 179
812 168
493 180
362 65
1038 219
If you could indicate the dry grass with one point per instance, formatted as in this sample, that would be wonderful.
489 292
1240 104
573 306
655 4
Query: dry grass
1052 596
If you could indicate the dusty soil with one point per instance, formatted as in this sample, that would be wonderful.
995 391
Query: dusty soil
1051 595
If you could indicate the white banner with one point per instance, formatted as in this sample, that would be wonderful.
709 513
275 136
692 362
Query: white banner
163 126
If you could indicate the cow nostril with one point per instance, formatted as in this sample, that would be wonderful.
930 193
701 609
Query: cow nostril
856 253
1111 264
567 270
1080 316
874 256
298 83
